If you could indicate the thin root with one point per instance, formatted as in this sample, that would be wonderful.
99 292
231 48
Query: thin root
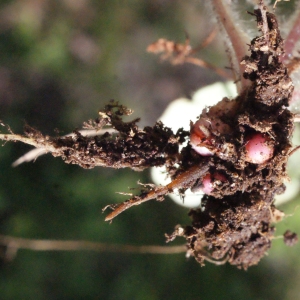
186 178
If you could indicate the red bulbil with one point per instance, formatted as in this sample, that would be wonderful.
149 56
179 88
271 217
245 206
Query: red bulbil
200 139
259 148
205 133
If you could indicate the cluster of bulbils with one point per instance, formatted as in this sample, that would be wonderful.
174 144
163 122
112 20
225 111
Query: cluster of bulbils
204 139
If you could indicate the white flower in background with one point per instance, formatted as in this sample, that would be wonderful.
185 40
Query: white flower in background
181 111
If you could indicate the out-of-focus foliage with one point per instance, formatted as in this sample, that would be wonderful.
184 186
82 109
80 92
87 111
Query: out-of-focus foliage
60 62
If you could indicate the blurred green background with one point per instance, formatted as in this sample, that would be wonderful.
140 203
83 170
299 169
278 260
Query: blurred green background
62 61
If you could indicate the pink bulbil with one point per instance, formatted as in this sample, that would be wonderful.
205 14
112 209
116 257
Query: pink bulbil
208 182
258 149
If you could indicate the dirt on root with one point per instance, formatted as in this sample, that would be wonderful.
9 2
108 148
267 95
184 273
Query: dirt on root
234 223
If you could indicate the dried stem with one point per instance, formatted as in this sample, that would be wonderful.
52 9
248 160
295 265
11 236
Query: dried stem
208 40
14 244
236 39
204 64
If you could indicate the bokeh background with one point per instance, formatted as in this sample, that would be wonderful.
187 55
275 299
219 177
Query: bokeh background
62 61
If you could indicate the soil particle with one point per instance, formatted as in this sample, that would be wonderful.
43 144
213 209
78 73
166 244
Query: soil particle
290 238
